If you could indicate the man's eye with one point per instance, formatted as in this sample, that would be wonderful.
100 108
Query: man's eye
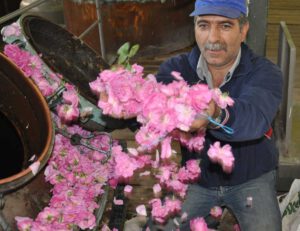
202 26
226 26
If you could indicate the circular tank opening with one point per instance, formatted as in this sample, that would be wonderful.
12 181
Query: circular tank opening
13 152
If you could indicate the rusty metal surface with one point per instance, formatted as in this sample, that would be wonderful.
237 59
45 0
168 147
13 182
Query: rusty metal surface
24 105
157 27
64 53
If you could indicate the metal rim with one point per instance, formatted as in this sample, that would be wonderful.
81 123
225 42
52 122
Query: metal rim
25 175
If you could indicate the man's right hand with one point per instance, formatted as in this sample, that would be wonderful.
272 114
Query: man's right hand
103 96
201 123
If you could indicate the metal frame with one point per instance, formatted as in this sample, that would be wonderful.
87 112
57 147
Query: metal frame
287 63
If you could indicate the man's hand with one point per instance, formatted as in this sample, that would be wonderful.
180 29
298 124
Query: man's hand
103 96
201 123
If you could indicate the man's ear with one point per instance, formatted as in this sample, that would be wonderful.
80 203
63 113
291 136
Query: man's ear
244 31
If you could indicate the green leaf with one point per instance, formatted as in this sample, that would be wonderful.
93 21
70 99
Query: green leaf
124 49
134 49
122 58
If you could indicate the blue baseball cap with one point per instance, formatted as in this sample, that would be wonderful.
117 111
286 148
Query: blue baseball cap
226 8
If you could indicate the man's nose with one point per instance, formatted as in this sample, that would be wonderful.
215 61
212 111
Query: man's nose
214 35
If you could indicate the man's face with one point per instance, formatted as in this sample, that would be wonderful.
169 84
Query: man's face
219 39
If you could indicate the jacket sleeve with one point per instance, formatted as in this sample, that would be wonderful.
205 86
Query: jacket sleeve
164 72
178 63
256 106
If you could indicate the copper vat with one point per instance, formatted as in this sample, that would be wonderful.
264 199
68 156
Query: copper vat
27 111
157 27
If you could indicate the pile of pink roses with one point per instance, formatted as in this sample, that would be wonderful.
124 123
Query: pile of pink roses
48 83
78 176
77 181
31 65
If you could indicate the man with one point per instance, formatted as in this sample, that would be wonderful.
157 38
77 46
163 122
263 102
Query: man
222 60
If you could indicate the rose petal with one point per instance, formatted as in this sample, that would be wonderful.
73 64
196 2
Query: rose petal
146 173
118 201
141 210
35 167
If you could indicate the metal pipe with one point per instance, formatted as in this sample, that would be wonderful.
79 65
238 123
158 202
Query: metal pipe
102 45
287 62
20 11
84 33
101 209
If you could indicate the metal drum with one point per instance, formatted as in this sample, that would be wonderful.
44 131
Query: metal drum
67 55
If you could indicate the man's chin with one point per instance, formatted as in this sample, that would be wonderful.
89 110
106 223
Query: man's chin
215 62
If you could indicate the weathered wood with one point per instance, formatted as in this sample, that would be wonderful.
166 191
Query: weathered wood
284 10
284 4
291 16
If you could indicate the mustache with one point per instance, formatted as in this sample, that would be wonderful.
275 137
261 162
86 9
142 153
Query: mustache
215 46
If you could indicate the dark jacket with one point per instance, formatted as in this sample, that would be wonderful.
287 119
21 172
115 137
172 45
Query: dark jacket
256 88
